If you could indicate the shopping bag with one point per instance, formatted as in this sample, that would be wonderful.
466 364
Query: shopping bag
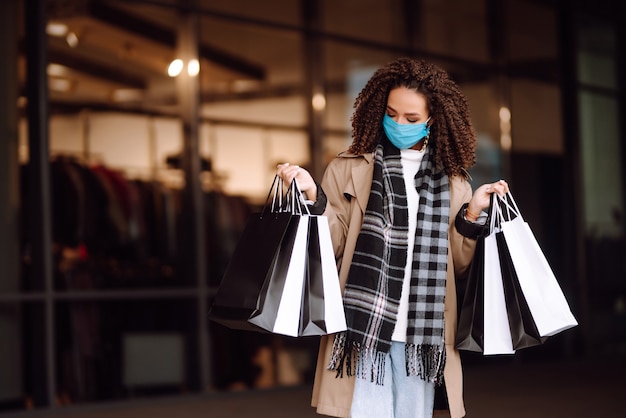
279 307
470 328
483 325
262 253
334 314
282 283
497 334
258 268
322 306
523 329
312 313
545 299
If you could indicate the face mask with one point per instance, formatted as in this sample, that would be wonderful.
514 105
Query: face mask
405 135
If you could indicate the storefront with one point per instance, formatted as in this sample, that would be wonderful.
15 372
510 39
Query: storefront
138 135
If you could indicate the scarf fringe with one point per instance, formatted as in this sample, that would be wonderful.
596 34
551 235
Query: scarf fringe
357 361
371 363
426 361
343 355
338 354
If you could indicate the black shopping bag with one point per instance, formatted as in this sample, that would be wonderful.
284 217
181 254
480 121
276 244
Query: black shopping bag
282 277
470 330
261 258
524 331
278 310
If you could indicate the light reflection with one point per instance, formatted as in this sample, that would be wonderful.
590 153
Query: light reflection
505 129
319 101
177 65
175 68
72 40
56 70
56 29
193 68
60 84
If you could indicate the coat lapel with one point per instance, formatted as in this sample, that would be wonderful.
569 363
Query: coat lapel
361 182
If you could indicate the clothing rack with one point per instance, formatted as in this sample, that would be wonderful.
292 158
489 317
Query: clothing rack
107 283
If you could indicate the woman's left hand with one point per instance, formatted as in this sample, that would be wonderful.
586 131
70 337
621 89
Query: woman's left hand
482 195
307 185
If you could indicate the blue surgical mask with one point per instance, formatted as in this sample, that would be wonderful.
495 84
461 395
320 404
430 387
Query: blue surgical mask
405 135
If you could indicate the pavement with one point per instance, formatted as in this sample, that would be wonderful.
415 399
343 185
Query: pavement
498 388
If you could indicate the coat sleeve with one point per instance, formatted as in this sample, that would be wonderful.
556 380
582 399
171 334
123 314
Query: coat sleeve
462 246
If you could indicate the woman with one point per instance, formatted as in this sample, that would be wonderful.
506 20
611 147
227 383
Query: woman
403 224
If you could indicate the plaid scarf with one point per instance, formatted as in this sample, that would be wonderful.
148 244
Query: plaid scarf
374 284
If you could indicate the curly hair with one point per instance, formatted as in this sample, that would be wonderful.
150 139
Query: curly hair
451 133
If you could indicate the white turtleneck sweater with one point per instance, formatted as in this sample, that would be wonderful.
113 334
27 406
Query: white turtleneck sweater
411 160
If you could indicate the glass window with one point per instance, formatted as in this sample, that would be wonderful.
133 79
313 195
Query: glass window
456 28
286 12
23 359
253 56
128 348
601 161
539 45
596 53
378 21
451 27
11 378
11 242
276 11
485 109
347 70
536 117
255 121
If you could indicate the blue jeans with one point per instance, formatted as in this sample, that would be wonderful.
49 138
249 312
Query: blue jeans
400 396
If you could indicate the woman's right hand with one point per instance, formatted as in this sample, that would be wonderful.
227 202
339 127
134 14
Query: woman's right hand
303 178
482 195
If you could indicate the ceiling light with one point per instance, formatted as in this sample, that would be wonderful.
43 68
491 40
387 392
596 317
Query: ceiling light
175 68
72 40
505 128
318 101
56 29
193 68
56 69
505 114
60 84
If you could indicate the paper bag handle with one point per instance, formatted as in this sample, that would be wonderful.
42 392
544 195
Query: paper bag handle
293 198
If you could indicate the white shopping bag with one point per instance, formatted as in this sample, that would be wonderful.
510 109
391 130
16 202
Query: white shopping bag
497 333
541 290
334 315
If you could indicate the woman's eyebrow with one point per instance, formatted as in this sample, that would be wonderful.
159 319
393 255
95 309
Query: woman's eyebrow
389 108
409 113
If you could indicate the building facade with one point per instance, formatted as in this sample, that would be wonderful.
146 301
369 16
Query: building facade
136 136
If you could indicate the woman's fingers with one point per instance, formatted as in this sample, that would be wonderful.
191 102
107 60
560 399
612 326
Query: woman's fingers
288 172
500 187
304 180
480 199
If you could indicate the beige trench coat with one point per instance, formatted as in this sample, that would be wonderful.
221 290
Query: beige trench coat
347 182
